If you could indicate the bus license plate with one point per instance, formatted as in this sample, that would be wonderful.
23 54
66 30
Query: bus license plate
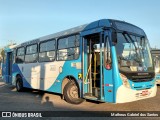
145 92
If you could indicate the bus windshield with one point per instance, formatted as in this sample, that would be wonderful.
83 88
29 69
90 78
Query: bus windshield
133 53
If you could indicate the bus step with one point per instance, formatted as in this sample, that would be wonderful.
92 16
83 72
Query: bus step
88 94
90 97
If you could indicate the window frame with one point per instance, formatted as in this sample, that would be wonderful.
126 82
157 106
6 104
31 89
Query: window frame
107 46
19 48
57 50
53 39
31 45
31 53
14 55
20 55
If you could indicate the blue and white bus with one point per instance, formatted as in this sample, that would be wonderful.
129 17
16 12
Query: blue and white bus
106 60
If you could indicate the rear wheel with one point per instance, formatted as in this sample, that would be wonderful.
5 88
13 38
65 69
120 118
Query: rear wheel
71 93
19 84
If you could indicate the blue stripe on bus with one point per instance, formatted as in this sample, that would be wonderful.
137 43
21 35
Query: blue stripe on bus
141 85
67 70
116 77
16 71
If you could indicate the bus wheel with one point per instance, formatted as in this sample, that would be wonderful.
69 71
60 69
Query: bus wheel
71 93
19 85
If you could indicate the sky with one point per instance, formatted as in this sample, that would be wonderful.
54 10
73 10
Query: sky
23 20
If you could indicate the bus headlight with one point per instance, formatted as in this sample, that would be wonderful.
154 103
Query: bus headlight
125 81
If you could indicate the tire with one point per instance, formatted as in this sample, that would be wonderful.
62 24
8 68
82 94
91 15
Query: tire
19 85
71 94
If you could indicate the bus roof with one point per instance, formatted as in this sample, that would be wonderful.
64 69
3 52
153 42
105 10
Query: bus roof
92 25
103 22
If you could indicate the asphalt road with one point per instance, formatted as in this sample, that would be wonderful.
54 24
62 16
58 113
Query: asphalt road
32 100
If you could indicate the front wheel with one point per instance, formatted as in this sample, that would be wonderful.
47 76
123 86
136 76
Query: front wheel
71 93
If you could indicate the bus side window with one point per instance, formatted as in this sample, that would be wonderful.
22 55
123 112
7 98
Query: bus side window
68 48
31 53
47 51
20 55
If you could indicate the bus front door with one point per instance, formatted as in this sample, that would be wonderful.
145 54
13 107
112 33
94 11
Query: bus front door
8 68
93 66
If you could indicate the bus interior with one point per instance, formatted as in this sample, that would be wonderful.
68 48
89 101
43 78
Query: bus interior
93 66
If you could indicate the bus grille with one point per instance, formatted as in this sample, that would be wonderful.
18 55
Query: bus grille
141 80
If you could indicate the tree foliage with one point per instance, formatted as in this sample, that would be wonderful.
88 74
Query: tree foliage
2 54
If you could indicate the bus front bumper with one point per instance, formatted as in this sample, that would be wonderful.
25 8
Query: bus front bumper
128 95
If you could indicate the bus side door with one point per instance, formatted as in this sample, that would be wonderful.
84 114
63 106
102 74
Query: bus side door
7 68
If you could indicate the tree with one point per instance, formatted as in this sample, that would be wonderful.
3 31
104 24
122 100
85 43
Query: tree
3 54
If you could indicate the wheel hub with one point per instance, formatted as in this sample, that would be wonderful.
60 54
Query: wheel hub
74 92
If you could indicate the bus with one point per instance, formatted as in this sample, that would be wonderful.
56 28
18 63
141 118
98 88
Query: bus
156 58
106 60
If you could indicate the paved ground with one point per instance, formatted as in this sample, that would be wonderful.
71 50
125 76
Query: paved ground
31 100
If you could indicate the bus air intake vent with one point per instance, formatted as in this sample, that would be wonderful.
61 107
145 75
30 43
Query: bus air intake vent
141 80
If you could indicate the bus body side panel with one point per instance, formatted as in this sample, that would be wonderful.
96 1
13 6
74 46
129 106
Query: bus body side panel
37 75
117 82
40 75
70 68
16 71
112 79
108 86
46 76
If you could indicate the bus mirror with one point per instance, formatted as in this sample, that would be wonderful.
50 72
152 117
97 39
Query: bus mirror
114 38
